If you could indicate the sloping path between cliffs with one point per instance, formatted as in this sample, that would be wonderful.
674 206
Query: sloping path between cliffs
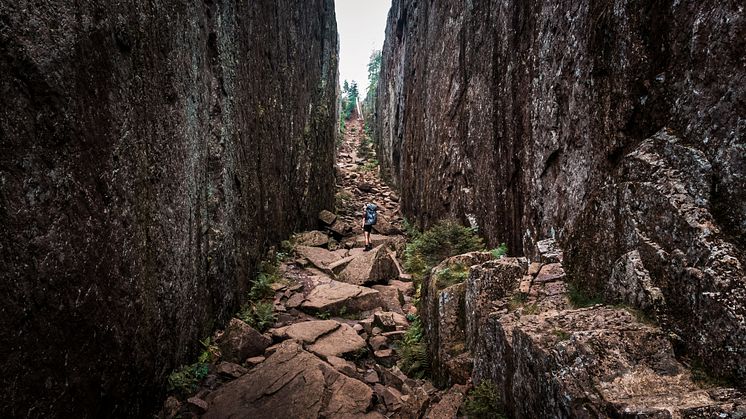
341 314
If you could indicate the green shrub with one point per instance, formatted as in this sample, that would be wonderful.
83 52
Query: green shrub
499 251
260 315
413 359
210 352
483 402
445 239
410 230
264 316
262 287
186 379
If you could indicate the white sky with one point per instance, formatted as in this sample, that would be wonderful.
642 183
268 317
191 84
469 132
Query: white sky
361 25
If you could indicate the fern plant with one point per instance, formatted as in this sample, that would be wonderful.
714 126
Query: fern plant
414 360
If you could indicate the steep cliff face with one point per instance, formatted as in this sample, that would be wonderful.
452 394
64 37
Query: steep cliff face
151 152
615 127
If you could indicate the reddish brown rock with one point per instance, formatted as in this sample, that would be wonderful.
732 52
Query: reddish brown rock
241 341
197 405
343 341
391 297
332 296
320 258
289 384
312 238
550 272
614 137
369 267
327 217
230 369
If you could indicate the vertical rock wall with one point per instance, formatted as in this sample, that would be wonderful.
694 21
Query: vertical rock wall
150 152
614 126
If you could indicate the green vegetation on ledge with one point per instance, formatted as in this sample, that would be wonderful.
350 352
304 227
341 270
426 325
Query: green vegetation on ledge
445 239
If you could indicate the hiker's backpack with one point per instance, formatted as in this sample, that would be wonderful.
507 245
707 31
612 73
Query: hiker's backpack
371 216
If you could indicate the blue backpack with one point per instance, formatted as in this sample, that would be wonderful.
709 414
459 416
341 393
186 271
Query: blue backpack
371 216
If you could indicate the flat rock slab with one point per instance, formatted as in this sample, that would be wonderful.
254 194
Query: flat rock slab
370 267
341 342
321 258
550 272
306 332
290 384
331 296
327 217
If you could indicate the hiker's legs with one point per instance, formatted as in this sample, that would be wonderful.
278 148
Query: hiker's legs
366 232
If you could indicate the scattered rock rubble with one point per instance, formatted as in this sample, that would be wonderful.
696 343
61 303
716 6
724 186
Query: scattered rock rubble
341 312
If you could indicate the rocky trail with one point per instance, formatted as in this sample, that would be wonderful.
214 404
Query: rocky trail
340 315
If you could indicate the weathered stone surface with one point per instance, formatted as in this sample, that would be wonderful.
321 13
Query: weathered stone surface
550 272
391 297
312 238
369 267
661 205
331 296
630 283
384 226
378 342
289 384
601 125
449 404
241 341
320 258
341 342
327 217
627 367
132 209
306 332
443 320
389 321
230 369
197 404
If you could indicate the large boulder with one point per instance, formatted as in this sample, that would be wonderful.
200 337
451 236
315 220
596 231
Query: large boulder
370 267
332 296
291 383
240 341
326 338
312 238
319 257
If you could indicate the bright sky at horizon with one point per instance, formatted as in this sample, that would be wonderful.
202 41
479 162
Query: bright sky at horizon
361 25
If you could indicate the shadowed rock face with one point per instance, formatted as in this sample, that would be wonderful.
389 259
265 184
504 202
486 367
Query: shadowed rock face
614 127
150 152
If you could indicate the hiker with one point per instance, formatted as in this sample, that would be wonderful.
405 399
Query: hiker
370 216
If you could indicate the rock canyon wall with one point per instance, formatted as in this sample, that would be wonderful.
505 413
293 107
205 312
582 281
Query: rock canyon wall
615 127
150 153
